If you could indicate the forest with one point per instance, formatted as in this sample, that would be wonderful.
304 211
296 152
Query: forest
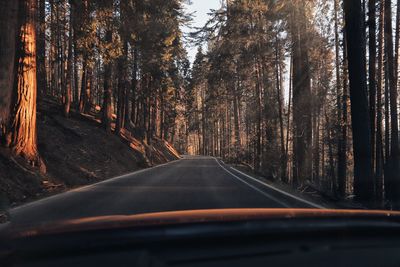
301 92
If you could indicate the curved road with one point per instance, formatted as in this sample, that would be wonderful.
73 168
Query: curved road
187 184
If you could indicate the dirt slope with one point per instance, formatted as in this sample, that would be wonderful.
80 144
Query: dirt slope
76 152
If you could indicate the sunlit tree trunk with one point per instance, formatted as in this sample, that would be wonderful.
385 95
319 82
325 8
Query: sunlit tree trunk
68 87
22 131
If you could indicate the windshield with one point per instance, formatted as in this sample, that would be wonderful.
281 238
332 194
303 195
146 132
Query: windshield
126 107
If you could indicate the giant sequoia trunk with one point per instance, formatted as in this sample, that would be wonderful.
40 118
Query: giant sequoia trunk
363 180
8 33
22 131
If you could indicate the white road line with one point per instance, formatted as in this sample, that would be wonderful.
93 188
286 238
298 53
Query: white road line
252 186
279 190
84 188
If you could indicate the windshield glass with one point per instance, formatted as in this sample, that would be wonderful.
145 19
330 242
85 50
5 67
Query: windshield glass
126 107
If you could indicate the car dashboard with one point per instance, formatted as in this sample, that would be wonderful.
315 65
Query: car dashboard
284 242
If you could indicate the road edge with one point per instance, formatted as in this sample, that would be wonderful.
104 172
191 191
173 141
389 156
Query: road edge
287 194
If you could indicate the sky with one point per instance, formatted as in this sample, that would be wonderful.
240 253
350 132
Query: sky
201 9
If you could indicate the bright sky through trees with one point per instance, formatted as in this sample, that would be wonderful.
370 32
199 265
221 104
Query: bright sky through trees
202 9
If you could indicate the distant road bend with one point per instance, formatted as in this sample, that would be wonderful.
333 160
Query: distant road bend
187 184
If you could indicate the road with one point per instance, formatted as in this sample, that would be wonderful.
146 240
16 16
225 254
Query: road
187 184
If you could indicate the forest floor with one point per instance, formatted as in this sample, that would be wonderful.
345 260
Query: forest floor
76 152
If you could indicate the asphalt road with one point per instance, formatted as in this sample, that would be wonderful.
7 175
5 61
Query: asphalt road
187 184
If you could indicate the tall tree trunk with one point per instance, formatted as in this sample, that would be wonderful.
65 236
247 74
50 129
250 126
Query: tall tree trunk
397 44
392 180
203 123
302 112
22 130
8 32
379 144
341 105
41 48
363 180
52 53
342 172
122 88
76 26
257 163
75 95
68 87
123 116
107 99
372 74
120 122
289 114
134 109
283 159
86 88
236 118
387 113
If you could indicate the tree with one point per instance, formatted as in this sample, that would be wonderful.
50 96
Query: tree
9 32
107 8
69 82
41 48
363 179
392 181
22 130
379 134
301 98
341 106
372 74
